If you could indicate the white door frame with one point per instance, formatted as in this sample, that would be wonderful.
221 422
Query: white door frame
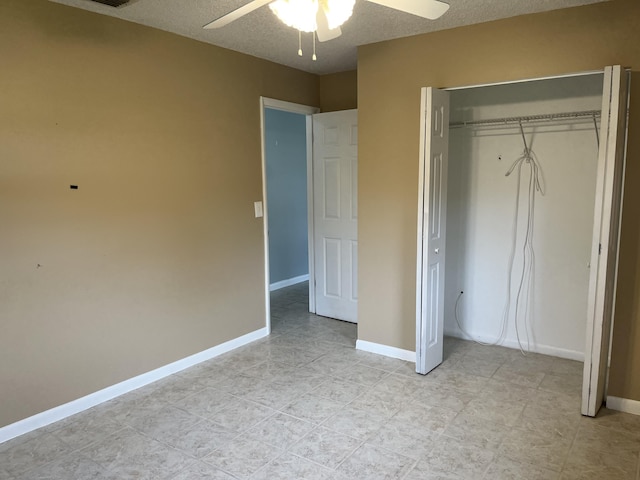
591 299
306 110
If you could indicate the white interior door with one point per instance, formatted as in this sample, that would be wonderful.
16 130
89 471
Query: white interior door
606 228
432 227
335 199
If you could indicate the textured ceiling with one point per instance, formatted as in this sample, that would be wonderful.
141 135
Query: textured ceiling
262 35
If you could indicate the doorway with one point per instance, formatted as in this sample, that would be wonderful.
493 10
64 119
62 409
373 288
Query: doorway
327 226
287 162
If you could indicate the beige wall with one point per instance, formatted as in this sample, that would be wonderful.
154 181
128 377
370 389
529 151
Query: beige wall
157 255
339 91
390 75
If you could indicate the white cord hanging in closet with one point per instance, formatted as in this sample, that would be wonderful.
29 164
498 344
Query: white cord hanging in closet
525 286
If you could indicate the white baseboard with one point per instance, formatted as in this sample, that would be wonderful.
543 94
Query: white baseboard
386 350
288 282
76 406
512 343
624 405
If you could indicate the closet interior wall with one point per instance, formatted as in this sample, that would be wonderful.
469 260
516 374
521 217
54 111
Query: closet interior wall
482 202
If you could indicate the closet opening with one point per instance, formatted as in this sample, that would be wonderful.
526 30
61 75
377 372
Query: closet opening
520 191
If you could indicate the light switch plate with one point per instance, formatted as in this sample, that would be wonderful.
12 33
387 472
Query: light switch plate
257 206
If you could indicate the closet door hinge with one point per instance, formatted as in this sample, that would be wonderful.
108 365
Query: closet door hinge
599 248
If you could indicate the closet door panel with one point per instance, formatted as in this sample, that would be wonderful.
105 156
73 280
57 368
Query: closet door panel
605 238
432 207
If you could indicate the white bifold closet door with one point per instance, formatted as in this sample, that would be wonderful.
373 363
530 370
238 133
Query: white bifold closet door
335 206
432 228
606 227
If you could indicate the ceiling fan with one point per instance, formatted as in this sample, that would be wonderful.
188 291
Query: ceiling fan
324 17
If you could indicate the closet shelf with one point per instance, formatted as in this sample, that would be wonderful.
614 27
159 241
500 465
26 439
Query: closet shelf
529 118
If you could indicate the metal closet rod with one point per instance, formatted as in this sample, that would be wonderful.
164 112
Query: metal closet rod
529 118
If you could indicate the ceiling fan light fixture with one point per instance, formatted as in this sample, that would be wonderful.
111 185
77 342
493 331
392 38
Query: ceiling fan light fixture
299 14
337 11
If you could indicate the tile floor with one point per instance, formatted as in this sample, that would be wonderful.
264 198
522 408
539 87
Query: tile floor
304 404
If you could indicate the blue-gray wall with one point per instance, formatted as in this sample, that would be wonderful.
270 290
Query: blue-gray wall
286 159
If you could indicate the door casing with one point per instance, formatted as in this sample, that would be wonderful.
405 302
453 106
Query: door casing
308 111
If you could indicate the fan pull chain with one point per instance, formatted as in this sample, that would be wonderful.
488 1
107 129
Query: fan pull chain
299 43
313 57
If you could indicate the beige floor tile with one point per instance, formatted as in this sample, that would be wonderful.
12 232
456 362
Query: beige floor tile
542 421
86 428
199 440
619 421
452 457
325 447
338 390
240 385
598 447
577 470
379 402
494 409
555 402
74 466
432 418
608 439
201 471
206 402
363 374
289 466
378 361
269 370
331 364
164 421
475 431
458 380
402 386
398 436
505 469
567 384
313 408
375 463
356 422
481 367
277 395
526 447
243 456
18 457
175 388
562 366
435 395
240 415
293 356
520 375
129 454
280 430
207 374
508 391
302 378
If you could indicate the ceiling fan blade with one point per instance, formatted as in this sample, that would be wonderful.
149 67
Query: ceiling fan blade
430 9
323 31
237 13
